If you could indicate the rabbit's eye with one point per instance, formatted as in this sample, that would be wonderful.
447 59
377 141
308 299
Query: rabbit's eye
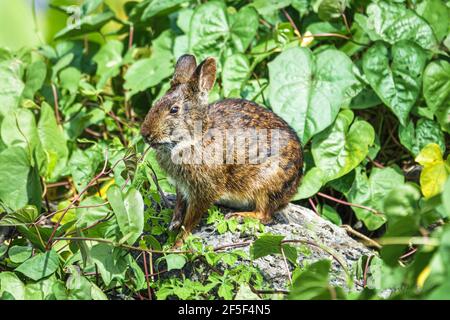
174 109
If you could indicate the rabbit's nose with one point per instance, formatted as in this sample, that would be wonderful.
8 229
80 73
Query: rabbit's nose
146 135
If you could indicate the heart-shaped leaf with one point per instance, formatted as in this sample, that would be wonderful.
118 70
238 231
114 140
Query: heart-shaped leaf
307 90
392 22
40 266
436 90
397 83
340 148
236 71
213 31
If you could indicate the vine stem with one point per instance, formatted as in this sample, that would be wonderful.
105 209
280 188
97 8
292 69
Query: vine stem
349 229
296 31
347 203
58 223
131 36
146 276
311 202
56 106
366 269
286 265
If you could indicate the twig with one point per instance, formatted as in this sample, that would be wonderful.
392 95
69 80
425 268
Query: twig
341 263
146 276
311 202
56 106
296 31
409 241
349 229
131 35
347 203
160 191
49 242
366 269
412 251
344 18
286 265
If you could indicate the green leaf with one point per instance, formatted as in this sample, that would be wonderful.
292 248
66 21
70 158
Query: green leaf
308 90
266 244
311 183
19 129
446 196
157 7
11 85
236 71
246 293
312 283
331 9
392 22
35 77
53 142
266 7
290 252
19 254
184 19
436 13
15 172
83 165
40 266
10 283
425 132
175 261
147 73
129 211
69 79
402 211
3 250
331 214
25 215
370 192
213 31
436 90
397 83
341 147
90 215
85 25
40 290
110 262
109 60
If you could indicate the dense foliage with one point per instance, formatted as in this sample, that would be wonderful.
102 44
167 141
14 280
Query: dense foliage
365 84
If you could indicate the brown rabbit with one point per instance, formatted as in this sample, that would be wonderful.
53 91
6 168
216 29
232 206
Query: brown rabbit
232 151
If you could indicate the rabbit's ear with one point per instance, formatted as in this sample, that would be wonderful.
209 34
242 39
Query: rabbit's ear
184 69
205 75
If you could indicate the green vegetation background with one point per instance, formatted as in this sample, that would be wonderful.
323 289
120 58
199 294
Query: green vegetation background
365 84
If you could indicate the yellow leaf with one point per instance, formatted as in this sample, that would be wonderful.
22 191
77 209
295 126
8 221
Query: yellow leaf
423 276
307 39
434 172
429 154
105 188
69 216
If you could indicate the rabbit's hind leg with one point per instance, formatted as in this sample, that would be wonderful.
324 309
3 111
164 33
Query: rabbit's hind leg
261 216
263 211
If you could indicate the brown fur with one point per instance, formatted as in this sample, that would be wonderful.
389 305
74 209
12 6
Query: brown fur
261 187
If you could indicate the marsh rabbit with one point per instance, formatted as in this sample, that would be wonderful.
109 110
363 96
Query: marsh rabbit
233 152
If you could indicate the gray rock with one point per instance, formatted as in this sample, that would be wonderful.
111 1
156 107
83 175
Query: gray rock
298 223
323 239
